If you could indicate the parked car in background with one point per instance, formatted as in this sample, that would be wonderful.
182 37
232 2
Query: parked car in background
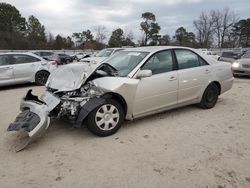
229 57
241 67
17 68
79 56
131 84
101 55
48 55
65 59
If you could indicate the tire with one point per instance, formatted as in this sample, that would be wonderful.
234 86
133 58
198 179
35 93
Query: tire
210 96
67 62
41 77
106 119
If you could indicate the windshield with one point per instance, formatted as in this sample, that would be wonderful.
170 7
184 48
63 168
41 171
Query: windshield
104 53
125 61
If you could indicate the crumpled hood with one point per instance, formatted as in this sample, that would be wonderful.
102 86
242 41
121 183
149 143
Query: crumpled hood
70 77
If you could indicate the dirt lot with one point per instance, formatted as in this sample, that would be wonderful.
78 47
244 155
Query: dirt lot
187 147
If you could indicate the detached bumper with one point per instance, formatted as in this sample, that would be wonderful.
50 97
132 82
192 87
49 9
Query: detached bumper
32 121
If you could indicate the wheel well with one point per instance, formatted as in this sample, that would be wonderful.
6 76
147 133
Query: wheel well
42 71
218 85
119 99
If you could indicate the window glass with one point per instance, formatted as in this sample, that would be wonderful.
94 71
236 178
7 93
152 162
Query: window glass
159 63
46 53
5 60
187 59
20 59
104 53
125 61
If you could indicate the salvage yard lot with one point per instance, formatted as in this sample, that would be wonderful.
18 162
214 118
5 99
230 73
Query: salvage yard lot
186 147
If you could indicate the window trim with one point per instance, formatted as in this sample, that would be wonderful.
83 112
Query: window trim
199 58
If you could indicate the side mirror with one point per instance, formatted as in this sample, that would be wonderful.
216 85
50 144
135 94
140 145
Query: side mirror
144 73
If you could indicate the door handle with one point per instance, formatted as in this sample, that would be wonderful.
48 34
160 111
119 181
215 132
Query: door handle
207 71
172 78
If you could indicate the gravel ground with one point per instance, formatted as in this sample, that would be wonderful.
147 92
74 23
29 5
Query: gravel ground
186 147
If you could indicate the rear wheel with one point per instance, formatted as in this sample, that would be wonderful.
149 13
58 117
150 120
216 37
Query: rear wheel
41 77
106 119
210 97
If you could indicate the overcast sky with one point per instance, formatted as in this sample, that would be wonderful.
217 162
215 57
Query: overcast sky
68 16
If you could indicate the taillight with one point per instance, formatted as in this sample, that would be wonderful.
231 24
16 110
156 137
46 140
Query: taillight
54 62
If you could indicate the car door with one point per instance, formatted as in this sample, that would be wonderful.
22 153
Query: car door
6 70
193 74
25 67
159 91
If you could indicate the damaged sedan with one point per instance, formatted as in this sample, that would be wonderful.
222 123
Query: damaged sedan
131 84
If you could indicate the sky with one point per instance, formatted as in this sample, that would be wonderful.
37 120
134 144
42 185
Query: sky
67 16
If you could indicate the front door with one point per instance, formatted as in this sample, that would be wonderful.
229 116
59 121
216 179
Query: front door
159 91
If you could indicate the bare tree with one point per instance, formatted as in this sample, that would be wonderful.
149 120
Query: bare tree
205 27
101 33
223 23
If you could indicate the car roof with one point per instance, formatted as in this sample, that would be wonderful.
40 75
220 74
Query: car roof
22 53
155 48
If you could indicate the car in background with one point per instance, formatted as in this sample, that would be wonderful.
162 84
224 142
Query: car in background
78 56
229 57
17 68
101 55
48 55
65 59
241 67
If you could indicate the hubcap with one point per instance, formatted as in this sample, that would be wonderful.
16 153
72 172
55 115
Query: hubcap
107 117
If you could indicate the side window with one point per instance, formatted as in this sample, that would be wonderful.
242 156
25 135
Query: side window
21 59
5 60
159 63
187 59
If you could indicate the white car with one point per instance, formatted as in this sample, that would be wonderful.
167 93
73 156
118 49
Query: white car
131 84
102 55
17 68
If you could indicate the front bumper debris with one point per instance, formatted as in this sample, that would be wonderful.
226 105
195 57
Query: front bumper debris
32 122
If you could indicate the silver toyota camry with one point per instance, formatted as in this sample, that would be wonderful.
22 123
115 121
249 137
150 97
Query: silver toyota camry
131 84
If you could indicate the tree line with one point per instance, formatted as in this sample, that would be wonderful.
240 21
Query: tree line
216 28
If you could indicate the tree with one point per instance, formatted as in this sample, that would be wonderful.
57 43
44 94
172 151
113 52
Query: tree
117 38
223 23
241 32
205 27
83 37
100 33
36 33
12 27
149 27
181 36
11 19
165 40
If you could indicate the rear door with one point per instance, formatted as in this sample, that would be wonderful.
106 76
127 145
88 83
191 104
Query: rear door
25 67
6 70
193 73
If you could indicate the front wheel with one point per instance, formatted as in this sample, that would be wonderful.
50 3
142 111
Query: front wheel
210 97
41 77
106 119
